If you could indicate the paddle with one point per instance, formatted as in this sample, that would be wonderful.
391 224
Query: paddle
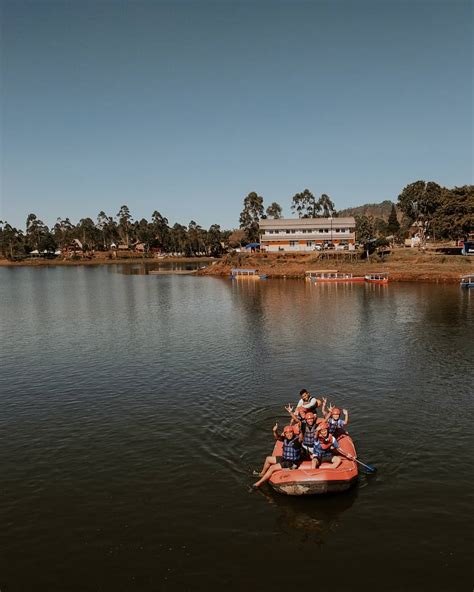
368 467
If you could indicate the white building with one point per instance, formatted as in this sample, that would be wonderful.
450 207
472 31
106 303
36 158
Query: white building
303 234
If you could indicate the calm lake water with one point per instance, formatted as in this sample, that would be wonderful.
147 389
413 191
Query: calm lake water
133 408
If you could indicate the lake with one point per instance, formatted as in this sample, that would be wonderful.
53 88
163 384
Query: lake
135 406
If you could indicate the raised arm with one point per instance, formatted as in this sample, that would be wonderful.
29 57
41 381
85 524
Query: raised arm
275 431
290 411
346 416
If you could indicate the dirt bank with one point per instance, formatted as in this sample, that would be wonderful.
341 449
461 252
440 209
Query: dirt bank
104 261
403 265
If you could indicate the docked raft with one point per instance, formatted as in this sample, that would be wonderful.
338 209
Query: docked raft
331 275
246 274
307 481
377 277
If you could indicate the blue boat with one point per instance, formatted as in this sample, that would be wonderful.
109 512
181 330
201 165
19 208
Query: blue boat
467 281
468 247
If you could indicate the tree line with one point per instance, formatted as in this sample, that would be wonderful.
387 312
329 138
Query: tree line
438 213
107 231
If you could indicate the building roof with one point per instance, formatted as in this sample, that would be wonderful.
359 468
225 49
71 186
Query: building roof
306 222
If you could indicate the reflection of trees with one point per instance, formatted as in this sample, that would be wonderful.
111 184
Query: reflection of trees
313 520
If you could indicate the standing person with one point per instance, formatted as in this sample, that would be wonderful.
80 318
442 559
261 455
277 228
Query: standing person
290 458
324 445
308 402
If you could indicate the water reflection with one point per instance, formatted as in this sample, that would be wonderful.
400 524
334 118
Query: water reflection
315 518
146 267
153 397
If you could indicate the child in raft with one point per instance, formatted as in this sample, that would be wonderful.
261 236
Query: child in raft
333 417
324 444
291 456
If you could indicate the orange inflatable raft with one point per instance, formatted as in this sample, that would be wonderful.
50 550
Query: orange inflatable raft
307 481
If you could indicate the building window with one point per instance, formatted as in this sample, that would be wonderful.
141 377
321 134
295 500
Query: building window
293 243
293 231
309 243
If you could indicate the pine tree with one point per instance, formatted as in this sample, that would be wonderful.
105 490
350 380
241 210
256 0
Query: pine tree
393 225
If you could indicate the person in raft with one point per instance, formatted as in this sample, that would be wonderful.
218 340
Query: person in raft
308 402
333 417
307 424
290 458
297 417
324 445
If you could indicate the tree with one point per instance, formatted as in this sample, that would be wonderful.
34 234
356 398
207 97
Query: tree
251 215
419 202
380 227
235 238
35 231
455 216
305 204
102 222
196 238
274 211
63 231
326 205
364 228
161 230
214 241
144 233
124 224
179 240
11 240
393 225
89 233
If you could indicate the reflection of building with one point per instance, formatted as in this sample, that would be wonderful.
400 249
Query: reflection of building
304 234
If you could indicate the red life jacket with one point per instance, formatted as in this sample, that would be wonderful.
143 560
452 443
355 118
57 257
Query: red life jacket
326 443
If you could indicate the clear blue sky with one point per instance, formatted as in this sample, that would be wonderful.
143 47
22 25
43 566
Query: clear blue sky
185 107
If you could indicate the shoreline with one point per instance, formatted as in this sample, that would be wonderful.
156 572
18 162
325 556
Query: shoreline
102 261
402 266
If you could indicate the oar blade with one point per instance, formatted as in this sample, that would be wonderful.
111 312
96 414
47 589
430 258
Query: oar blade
370 469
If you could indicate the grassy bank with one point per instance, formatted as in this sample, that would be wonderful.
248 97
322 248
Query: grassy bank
402 264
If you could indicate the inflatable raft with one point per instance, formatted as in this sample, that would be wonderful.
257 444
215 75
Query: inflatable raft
308 481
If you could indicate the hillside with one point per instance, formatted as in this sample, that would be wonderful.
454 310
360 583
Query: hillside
381 210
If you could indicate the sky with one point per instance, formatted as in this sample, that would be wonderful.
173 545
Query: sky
187 106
